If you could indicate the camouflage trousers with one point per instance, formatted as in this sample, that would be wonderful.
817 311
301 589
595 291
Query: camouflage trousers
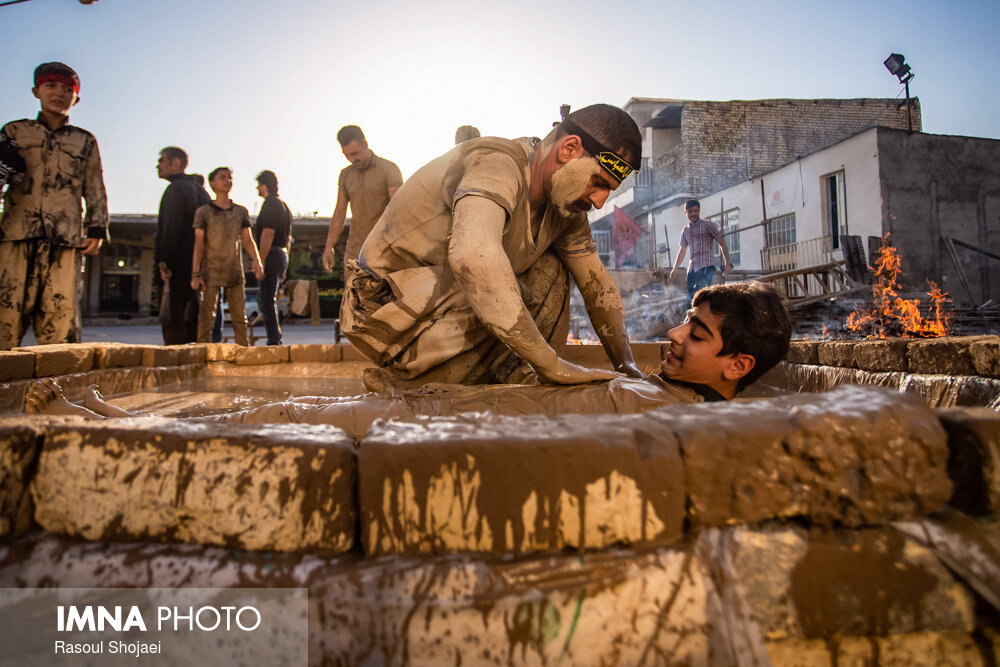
447 342
40 286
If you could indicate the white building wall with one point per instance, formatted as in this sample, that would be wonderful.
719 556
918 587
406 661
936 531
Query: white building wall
794 188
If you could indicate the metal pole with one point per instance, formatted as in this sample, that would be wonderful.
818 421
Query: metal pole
652 243
666 239
909 123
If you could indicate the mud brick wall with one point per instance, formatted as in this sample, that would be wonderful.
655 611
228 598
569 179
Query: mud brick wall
974 459
19 446
715 600
744 585
854 456
952 355
945 372
519 484
282 487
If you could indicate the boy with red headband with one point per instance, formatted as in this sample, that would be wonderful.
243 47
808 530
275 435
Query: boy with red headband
43 232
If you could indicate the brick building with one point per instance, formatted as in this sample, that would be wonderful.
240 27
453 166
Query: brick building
937 195
693 148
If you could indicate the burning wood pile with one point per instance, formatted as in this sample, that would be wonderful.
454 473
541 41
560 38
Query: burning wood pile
895 316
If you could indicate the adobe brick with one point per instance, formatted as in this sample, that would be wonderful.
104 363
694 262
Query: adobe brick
518 484
855 455
281 487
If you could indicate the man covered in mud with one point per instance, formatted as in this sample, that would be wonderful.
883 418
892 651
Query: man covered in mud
732 335
367 185
465 277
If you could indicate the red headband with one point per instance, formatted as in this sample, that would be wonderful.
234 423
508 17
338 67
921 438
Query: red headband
59 78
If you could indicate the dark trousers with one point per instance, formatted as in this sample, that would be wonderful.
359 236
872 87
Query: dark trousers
698 279
274 270
182 326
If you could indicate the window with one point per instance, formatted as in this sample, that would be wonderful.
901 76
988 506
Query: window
834 208
602 239
781 230
729 223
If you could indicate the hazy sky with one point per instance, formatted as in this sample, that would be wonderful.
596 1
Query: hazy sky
266 85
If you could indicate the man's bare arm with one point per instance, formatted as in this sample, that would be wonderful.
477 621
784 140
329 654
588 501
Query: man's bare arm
266 240
251 247
336 227
725 256
681 252
199 248
392 191
476 257
605 308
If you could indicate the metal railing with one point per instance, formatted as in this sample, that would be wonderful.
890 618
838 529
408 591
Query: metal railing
799 255
800 287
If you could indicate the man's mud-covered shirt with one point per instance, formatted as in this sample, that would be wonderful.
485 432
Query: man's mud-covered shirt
222 260
367 190
63 166
406 308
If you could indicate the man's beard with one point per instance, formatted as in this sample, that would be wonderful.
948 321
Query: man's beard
569 185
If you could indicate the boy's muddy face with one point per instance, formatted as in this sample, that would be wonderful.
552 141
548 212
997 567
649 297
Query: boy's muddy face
694 348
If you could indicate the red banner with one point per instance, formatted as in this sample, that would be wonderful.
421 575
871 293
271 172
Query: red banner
624 234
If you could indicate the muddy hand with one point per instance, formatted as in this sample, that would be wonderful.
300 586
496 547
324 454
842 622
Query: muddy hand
630 369
565 372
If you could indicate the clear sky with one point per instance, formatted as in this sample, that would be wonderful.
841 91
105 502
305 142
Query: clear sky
256 84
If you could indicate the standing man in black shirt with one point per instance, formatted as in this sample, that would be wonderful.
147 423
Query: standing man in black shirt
271 231
174 246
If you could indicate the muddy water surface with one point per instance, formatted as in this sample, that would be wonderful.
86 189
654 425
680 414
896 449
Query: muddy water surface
209 395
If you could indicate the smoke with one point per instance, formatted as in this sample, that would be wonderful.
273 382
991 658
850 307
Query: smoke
650 312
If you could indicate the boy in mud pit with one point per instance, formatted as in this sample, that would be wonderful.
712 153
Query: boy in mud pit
733 334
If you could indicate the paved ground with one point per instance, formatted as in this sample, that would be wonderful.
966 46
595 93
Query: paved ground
149 334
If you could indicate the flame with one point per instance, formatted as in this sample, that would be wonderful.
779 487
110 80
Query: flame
573 340
895 316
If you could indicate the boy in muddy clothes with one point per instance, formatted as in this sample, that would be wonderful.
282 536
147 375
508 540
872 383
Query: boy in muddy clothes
217 264
50 166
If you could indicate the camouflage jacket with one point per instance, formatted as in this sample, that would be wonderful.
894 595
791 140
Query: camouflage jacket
63 167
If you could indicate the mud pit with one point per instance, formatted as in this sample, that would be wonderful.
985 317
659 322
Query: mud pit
810 529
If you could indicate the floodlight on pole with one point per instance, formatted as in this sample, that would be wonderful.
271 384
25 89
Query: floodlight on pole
896 64
563 112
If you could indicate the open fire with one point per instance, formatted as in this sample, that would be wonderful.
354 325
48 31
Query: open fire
893 315
573 340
